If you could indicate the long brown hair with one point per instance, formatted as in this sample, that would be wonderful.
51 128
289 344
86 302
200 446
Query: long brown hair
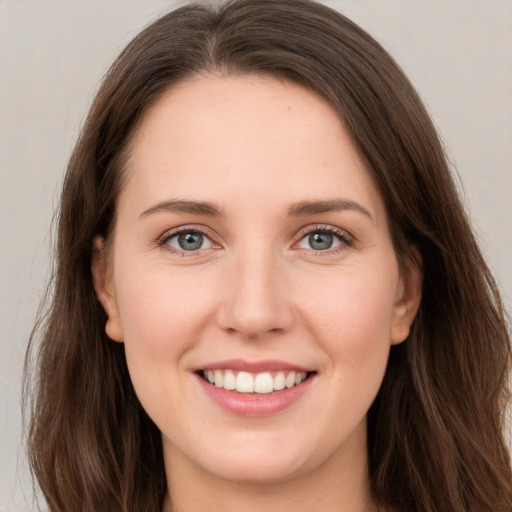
435 431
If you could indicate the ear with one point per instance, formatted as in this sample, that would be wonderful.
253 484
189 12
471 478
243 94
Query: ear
104 287
408 298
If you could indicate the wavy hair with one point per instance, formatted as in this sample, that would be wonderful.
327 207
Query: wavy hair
435 431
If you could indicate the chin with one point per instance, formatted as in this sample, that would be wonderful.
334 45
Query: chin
249 472
261 459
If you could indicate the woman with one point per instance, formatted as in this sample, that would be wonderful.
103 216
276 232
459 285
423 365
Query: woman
267 293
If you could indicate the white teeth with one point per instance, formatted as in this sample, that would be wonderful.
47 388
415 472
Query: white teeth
300 377
245 382
218 378
279 381
263 383
290 380
229 382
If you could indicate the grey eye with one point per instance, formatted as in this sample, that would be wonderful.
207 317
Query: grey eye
320 241
189 241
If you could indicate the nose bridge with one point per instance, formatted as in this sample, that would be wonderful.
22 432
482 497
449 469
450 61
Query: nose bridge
257 300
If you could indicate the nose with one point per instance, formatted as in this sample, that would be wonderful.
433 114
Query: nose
256 299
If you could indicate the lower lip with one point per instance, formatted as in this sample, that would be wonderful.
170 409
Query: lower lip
253 404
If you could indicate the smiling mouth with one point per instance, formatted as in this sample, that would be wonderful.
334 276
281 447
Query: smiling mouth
255 383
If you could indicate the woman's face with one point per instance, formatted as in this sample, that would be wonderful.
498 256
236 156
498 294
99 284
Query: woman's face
252 249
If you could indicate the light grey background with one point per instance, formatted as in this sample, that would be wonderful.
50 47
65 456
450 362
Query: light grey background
52 57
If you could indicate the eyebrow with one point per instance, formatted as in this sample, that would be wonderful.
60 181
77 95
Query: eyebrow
300 209
180 206
304 208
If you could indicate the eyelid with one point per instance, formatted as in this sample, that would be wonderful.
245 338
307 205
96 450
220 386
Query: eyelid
345 238
162 240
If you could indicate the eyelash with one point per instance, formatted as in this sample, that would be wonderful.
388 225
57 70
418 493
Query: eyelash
163 241
344 238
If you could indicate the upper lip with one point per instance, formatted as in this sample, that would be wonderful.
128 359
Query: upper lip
242 365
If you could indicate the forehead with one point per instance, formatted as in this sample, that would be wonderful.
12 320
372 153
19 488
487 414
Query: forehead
221 137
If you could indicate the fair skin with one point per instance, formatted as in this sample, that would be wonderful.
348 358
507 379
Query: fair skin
288 267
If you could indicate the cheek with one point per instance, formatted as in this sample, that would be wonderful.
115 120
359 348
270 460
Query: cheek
353 304
351 318
163 315
155 303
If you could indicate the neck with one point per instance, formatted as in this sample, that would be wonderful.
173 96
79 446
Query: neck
341 484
